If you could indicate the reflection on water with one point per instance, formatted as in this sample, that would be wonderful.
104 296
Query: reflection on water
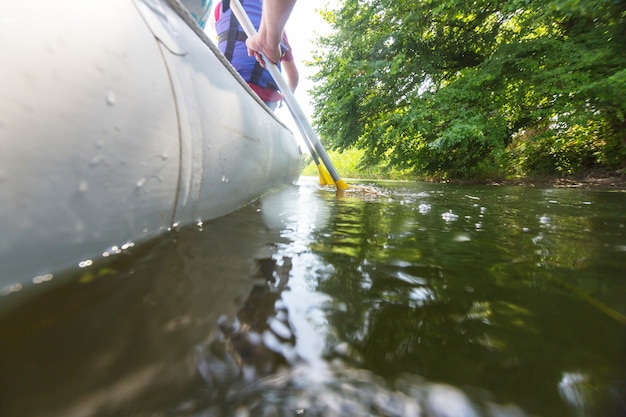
394 299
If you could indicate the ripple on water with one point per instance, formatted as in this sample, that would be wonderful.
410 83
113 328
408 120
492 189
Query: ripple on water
449 216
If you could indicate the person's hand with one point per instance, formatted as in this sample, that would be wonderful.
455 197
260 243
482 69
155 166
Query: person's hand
273 20
258 44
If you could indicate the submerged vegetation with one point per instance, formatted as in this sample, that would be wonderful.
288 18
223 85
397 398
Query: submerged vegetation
449 89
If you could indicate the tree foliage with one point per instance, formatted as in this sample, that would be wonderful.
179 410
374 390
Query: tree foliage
450 87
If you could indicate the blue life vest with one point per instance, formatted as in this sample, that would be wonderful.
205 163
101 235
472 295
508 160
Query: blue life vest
232 43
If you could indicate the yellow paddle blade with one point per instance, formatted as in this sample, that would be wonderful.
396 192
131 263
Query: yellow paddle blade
341 184
325 178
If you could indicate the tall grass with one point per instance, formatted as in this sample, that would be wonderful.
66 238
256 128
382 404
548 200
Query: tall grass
348 165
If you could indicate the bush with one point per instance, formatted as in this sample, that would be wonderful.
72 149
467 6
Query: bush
564 152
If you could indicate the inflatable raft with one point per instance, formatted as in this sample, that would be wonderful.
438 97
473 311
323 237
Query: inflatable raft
120 119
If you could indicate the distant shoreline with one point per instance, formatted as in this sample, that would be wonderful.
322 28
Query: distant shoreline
590 181
596 179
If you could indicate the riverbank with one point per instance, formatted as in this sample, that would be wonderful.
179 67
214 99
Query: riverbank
595 180
598 179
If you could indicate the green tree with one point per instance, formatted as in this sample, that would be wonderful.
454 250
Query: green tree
454 87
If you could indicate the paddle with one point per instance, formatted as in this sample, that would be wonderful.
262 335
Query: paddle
310 137
325 178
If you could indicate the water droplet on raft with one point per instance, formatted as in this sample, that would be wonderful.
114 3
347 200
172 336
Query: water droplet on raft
42 278
141 182
111 98
128 245
10 288
83 185
96 160
85 263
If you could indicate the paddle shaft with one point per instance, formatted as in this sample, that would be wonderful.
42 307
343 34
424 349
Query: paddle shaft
296 111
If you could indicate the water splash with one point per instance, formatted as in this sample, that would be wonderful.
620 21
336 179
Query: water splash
424 208
449 216
462 238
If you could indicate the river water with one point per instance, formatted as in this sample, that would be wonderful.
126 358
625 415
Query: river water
390 299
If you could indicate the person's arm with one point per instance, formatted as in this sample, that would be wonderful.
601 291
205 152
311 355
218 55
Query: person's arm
273 20
289 65
291 71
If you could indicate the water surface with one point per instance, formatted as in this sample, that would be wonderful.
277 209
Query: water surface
389 299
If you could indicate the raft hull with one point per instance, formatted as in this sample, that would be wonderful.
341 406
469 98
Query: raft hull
112 133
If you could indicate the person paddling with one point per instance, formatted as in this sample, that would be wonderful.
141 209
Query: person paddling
232 43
